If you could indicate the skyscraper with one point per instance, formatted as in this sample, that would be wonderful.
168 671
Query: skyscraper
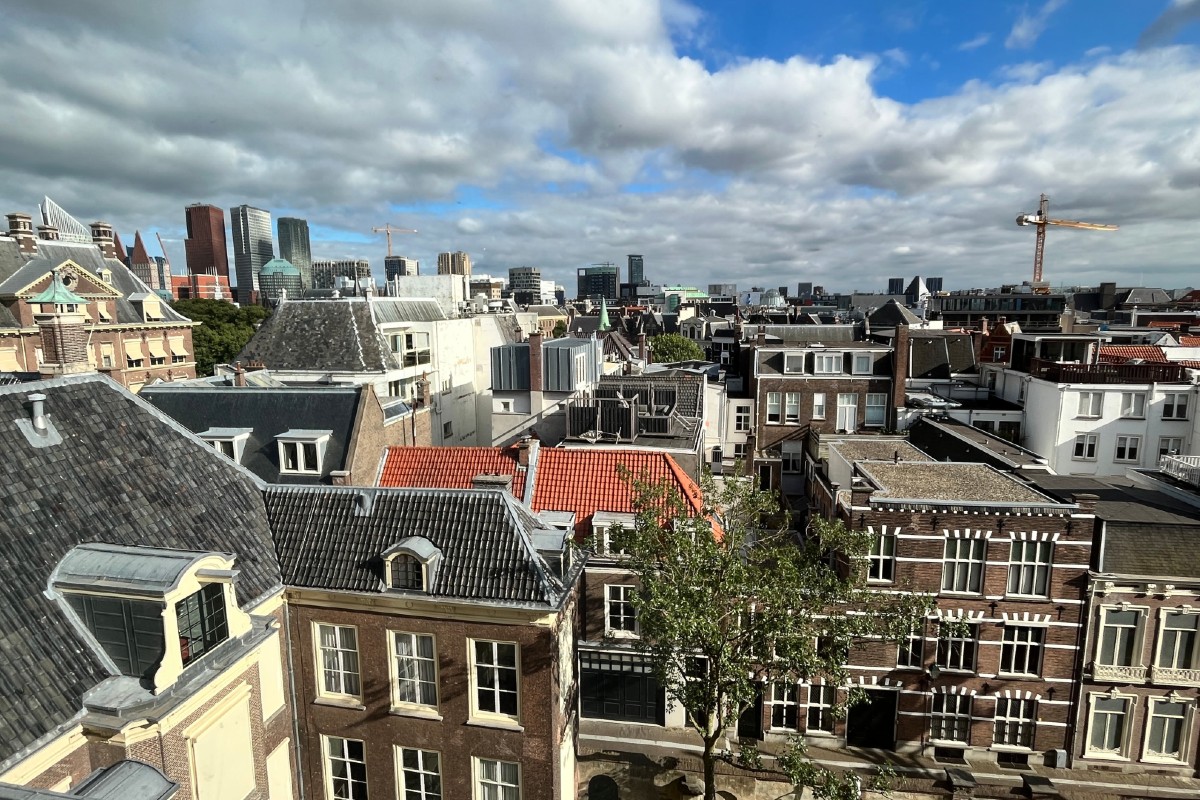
456 263
252 248
327 271
400 267
525 283
597 282
895 286
636 274
294 246
206 248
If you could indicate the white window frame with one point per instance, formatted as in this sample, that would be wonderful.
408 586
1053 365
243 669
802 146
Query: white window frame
495 669
424 772
1022 650
911 652
881 559
344 757
791 408
999 353
1014 723
1091 405
862 364
741 417
774 408
818 405
949 712
1175 406
410 346
497 788
307 463
1128 449
1122 749
406 670
822 697
1085 447
784 694
1030 564
618 601
1136 658
793 363
739 451
876 414
847 411
1185 723
334 674
828 363
955 653
1170 446
961 557
1183 656
1133 405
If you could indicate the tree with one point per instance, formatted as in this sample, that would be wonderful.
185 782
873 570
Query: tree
668 348
730 604
560 330
223 331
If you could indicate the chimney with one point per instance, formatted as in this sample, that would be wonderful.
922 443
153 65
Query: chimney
20 227
900 356
761 340
239 374
38 412
102 237
1086 502
423 395
535 361
48 233
642 346
527 450
488 480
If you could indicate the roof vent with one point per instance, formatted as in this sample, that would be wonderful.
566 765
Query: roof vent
38 429
364 503
487 480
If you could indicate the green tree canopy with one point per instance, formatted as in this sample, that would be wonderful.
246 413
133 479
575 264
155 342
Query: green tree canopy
560 330
670 347
729 604
223 332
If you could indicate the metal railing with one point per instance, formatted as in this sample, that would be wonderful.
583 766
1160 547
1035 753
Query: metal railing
1181 468
1108 373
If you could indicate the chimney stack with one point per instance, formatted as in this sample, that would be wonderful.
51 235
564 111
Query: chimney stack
900 355
239 374
20 227
48 233
102 237
761 339
642 346
535 361
527 450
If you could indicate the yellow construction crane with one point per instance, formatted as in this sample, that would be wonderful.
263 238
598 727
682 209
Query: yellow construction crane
388 230
1041 221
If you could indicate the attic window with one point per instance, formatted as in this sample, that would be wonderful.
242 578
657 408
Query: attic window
793 363
231 442
102 312
302 452
412 565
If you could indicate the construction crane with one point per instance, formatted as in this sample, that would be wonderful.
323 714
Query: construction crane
1041 221
388 230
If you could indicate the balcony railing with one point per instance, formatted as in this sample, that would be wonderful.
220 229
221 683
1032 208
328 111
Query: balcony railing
1175 677
1056 372
1118 673
1181 468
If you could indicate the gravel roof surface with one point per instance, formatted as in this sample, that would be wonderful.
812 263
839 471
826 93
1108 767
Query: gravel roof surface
942 481
883 450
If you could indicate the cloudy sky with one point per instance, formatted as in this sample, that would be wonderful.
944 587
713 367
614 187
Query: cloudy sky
763 142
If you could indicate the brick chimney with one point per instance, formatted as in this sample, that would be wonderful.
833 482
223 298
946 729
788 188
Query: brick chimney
527 450
239 374
20 227
48 233
1086 502
899 372
102 237
761 339
423 392
535 361
642 346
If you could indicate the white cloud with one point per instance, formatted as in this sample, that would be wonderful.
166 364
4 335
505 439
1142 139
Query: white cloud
534 115
1030 25
975 43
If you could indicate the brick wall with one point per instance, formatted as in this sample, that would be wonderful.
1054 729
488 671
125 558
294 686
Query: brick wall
370 436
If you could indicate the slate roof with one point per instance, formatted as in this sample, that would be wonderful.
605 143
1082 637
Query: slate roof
268 412
1120 353
123 474
939 355
891 314
320 336
826 334
406 309
450 467
326 540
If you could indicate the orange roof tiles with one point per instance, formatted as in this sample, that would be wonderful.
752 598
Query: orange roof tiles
1120 353
1189 341
449 467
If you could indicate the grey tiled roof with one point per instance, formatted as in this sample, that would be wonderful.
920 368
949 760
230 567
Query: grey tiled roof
891 314
122 474
320 336
325 540
406 309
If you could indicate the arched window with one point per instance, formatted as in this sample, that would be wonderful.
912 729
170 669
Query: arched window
408 573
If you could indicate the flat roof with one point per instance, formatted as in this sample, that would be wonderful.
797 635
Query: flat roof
949 482
996 445
879 450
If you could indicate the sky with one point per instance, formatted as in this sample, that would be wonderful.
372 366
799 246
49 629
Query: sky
757 142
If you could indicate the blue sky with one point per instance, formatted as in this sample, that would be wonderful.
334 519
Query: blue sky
757 142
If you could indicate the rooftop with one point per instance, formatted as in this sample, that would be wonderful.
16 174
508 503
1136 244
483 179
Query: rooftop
884 450
941 482
450 467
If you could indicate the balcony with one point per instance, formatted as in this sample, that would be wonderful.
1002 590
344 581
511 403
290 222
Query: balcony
1056 372
1169 676
1118 673
1181 468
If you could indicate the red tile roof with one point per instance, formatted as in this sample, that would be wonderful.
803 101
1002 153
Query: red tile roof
587 481
450 467
1189 341
1120 353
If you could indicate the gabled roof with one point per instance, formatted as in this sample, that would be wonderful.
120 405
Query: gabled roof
334 538
891 314
1120 353
139 254
123 474
825 334
450 467
267 412
320 336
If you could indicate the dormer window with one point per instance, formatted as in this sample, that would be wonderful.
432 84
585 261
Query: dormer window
862 363
302 452
230 442
201 620
827 363
412 565
793 363
606 526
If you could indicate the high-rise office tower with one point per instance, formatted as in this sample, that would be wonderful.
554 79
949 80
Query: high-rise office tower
206 248
895 286
295 248
934 285
456 263
326 272
636 271
597 282
252 248
400 267
525 283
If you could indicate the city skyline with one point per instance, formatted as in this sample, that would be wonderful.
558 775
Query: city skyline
727 144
